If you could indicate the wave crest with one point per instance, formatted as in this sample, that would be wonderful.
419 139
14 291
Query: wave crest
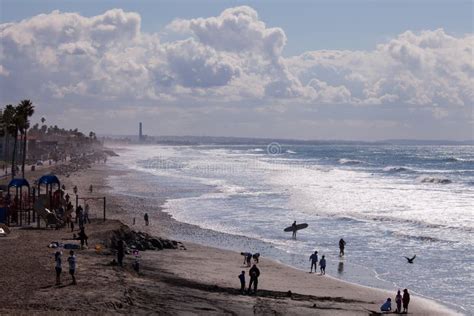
435 180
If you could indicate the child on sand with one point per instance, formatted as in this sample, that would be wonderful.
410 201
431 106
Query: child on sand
72 266
58 267
242 282
322 265
145 217
387 306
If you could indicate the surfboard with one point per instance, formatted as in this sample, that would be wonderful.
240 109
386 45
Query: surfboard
298 227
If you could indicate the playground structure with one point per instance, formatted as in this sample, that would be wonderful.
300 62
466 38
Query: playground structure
18 207
23 205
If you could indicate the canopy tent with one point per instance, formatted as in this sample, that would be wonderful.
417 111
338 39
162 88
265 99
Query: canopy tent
49 179
18 183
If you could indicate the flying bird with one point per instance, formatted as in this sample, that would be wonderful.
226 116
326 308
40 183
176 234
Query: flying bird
410 260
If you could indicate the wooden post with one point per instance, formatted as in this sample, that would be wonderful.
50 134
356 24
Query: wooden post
104 208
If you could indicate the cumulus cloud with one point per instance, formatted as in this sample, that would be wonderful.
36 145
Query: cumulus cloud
234 56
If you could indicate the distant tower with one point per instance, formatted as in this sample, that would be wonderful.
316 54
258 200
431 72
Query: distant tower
140 132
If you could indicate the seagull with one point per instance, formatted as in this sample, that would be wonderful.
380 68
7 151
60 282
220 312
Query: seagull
410 260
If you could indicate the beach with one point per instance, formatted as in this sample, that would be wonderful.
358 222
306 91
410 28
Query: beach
198 280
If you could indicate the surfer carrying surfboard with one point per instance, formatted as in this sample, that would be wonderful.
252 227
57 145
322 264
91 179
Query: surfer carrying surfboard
293 226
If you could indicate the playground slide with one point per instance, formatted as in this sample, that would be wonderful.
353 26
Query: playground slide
48 217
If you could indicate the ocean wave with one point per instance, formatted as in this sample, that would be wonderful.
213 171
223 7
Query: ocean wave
397 169
435 180
257 150
420 237
344 161
290 152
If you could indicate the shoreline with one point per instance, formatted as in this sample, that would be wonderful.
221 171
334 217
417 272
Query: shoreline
164 220
216 292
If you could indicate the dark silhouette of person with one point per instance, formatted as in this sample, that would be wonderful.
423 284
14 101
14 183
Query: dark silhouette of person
146 219
293 227
322 265
242 282
120 252
406 301
254 273
314 261
83 237
248 259
342 244
398 301
256 256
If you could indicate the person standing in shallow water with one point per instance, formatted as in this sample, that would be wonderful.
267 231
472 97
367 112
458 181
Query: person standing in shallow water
293 226
314 262
145 217
342 245
406 301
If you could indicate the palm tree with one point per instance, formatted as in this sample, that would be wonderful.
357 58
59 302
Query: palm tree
14 129
9 126
25 110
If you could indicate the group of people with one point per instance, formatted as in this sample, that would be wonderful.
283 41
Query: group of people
399 300
314 263
58 266
254 274
248 258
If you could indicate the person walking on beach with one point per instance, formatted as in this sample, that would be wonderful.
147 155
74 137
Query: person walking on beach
398 301
79 215
254 274
83 237
314 262
342 244
58 267
72 266
293 227
120 252
322 265
406 301
242 282
90 188
146 219
86 214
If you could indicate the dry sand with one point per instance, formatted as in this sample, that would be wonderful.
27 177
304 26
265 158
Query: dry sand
200 280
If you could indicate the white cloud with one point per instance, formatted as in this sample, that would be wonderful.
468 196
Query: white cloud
230 58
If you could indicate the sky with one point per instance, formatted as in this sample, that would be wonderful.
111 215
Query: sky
353 70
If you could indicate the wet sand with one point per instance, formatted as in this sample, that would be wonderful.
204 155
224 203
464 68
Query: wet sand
199 280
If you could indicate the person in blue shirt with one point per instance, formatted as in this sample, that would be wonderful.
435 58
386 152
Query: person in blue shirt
242 282
72 266
387 306
314 262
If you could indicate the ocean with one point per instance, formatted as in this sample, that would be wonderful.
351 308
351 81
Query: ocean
386 201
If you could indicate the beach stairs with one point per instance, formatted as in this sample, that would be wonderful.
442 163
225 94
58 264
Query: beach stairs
50 219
